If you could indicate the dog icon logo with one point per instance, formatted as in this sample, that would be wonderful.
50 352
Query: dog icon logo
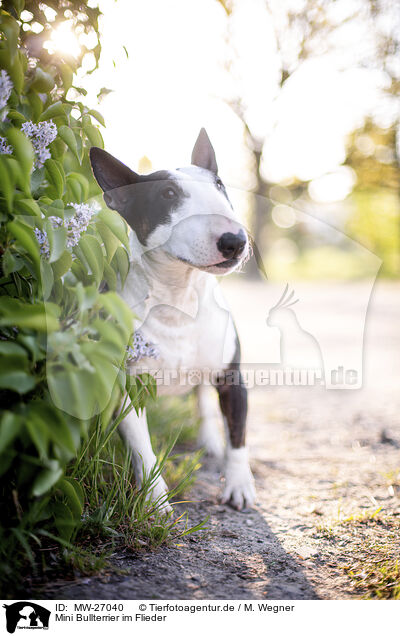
26 615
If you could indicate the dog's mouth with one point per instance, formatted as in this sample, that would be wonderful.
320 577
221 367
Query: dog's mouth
226 264
230 262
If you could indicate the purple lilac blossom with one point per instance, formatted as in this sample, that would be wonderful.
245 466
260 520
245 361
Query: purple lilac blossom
41 135
141 348
5 149
6 87
75 226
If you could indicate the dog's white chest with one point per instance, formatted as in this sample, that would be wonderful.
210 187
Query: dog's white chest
193 338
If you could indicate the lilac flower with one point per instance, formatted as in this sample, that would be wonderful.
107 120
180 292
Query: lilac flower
43 241
141 348
79 222
5 149
75 226
6 87
41 135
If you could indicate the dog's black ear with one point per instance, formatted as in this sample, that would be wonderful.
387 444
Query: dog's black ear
112 176
203 154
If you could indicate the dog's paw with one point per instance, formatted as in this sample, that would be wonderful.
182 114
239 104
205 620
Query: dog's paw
239 489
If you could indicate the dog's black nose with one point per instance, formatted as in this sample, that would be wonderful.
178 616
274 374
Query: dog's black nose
232 245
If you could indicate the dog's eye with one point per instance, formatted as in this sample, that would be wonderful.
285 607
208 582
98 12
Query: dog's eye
168 193
219 184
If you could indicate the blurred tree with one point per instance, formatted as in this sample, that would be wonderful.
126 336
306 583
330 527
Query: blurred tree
311 29
375 199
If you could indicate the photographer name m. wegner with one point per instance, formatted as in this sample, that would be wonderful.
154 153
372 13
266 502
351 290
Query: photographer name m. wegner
339 378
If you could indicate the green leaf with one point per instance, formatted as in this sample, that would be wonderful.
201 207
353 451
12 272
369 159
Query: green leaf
63 520
29 206
62 265
53 208
42 82
74 191
86 296
26 238
69 138
120 262
10 28
55 176
15 115
93 253
116 224
36 105
37 430
57 240
84 392
73 392
98 116
111 242
113 339
18 381
34 345
94 135
84 183
110 277
69 487
10 426
56 426
57 149
46 479
117 308
55 110
67 75
15 313
37 180
6 183
47 279
13 65
14 366
24 153
8 348
106 369
11 263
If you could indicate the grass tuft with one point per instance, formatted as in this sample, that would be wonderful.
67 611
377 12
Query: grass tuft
115 507
117 515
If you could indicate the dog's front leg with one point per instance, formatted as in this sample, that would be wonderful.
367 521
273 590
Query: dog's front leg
135 432
239 485
209 435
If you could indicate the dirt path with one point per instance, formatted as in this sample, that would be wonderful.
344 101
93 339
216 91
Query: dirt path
325 462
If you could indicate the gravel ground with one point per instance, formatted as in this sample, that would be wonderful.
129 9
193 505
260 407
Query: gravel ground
324 462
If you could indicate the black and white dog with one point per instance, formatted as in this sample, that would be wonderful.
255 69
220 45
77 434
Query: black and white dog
186 228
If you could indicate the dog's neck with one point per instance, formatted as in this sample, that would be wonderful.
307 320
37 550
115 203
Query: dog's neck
173 282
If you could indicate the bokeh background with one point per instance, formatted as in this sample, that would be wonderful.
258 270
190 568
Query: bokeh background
300 99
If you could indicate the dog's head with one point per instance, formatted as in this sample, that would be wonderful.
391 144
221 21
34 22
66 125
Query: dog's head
186 212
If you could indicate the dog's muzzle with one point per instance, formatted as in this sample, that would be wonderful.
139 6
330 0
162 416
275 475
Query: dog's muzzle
231 247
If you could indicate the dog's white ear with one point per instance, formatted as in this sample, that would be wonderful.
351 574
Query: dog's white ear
112 176
203 154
